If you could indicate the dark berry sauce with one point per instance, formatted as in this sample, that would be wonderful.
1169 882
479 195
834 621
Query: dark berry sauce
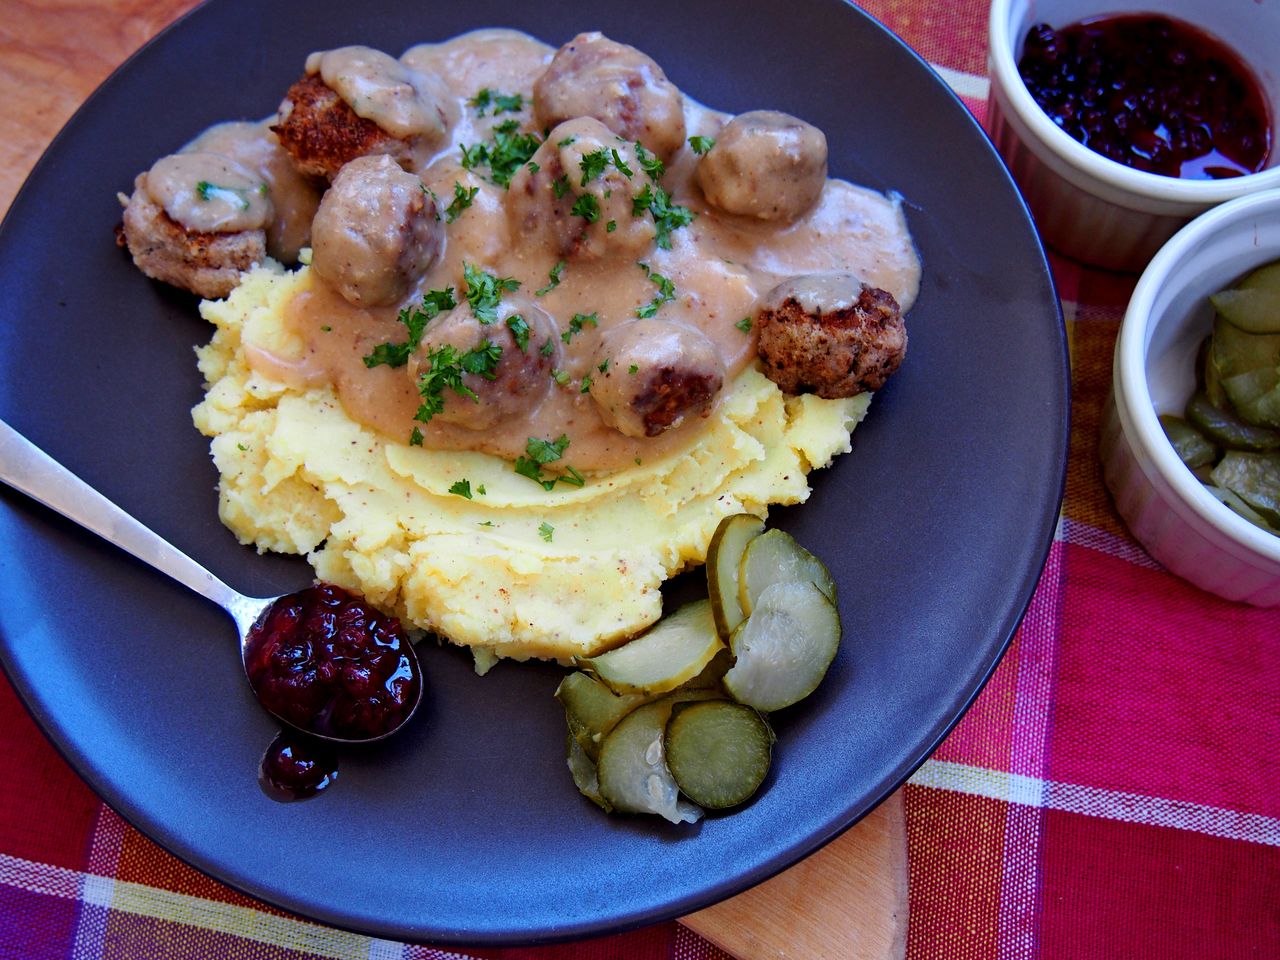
326 662
296 766
1153 93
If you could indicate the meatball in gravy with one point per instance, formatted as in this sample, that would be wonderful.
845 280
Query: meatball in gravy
593 76
376 232
765 164
830 334
197 220
656 373
357 101
520 377
578 194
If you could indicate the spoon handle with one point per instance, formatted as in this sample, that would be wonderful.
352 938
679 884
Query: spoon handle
27 468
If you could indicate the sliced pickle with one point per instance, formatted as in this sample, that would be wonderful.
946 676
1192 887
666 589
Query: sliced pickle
784 648
1253 311
591 710
673 650
718 751
1227 430
1236 505
1266 277
1255 479
724 557
1191 446
633 772
1235 351
1209 379
1256 396
775 557
584 773
712 675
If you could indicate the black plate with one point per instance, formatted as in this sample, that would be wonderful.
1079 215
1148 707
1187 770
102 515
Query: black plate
466 828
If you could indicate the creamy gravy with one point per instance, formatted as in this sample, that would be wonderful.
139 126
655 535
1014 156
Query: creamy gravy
209 193
380 88
294 198
720 266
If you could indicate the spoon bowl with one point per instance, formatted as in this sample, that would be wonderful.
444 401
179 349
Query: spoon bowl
336 664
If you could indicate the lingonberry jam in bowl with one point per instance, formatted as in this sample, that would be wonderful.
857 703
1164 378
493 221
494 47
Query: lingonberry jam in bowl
1125 124
327 663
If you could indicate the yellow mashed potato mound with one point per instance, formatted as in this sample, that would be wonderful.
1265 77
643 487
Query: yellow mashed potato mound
376 516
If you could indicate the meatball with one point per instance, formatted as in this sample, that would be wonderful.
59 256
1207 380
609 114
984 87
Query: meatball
575 189
356 101
518 382
656 373
376 232
197 220
592 76
765 164
830 334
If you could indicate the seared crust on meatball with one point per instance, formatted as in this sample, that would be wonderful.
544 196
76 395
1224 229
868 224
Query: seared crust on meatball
851 348
321 132
207 264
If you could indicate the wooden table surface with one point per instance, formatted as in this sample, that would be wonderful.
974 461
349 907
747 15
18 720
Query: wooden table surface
848 901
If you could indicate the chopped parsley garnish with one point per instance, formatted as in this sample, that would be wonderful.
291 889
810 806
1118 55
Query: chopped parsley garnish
611 226
633 369
586 384
577 322
546 531
484 291
560 186
548 348
604 365
415 438
485 523
446 369
593 165
667 216
480 490
701 145
434 302
538 453
622 164
567 142
462 198
505 154
501 102
650 163
553 279
744 324
533 166
242 448
462 489
326 329
560 377
519 327
207 191
666 292
587 207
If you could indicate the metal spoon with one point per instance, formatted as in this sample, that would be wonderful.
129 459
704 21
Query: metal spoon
27 468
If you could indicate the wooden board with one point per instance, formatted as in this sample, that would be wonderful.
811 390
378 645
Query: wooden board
846 902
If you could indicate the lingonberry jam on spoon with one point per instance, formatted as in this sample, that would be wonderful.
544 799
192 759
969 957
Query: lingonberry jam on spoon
326 662
1151 92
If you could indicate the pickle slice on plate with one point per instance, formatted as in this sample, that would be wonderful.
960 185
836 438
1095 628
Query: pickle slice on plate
718 751
633 772
591 710
1255 479
775 557
1191 446
584 774
673 650
1227 430
784 648
724 558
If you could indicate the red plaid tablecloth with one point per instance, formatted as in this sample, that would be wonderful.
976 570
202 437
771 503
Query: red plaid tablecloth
1111 794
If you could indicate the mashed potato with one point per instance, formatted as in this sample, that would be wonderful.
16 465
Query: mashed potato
514 571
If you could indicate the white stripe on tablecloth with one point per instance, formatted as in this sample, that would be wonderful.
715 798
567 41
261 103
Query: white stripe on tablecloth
1098 802
971 85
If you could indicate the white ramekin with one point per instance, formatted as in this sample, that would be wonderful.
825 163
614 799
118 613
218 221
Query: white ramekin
1092 208
1166 508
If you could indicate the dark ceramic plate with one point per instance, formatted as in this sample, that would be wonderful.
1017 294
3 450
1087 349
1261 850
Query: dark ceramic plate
466 828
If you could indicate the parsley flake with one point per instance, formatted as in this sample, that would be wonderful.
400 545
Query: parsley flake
415 438
577 322
667 216
501 102
633 369
519 327
587 207
744 324
484 292
560 186
434 302
586 384
480 490
207 191
548 348
560 377
567 142
538 453
593 165
446 367
604 365
666 292
622 164
650 163
553 279
462 489
462 198
546 531
701 145
504 155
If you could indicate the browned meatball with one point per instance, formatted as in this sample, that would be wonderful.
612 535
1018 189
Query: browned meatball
830 334
197 220
321 133
376 232
765 164
656 374
543 197
593 76
521 378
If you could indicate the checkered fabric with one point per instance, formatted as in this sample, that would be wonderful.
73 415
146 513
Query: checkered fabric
1109 795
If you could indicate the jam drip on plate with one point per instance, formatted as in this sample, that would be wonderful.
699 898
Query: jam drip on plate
296 767
1153 93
